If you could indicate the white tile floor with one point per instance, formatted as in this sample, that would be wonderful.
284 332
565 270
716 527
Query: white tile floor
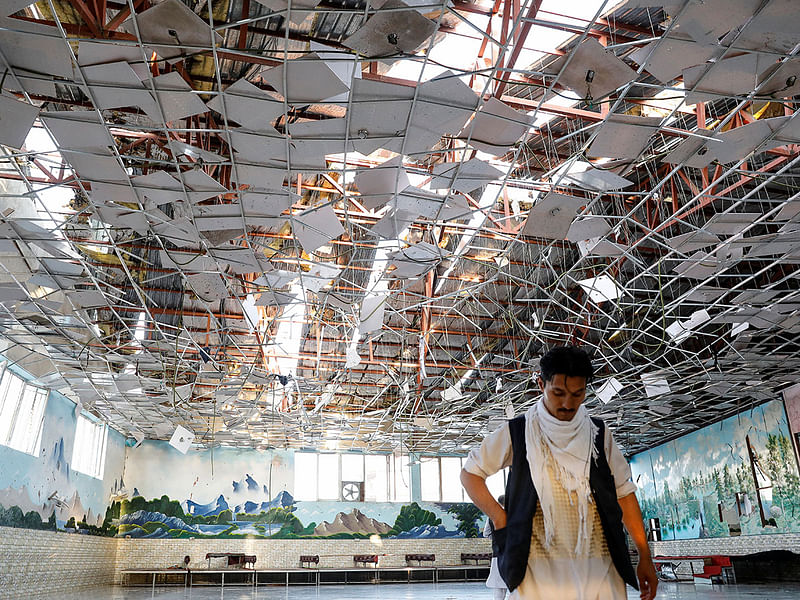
417 591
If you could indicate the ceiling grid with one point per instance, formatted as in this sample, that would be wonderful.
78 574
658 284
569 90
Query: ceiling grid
358 225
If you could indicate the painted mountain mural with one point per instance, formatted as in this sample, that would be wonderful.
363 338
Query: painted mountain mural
148 524
228 492
246 509
353 522
207 510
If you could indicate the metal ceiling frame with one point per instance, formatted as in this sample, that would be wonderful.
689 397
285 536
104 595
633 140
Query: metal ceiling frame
459 342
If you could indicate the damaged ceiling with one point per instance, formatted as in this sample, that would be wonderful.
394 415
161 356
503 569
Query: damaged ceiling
358 225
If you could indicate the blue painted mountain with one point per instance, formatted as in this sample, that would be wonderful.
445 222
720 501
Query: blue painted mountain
57 458
429 532
206 510
282 500
251 484
143 517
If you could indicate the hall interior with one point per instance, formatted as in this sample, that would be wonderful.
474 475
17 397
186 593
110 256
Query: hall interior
271 269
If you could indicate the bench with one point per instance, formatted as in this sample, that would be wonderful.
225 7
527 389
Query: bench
237 560
419 558
475 556
366 559
307 559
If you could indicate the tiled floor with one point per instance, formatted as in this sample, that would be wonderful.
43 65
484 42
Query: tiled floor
417 591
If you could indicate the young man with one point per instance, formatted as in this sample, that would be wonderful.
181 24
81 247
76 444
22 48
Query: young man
567 497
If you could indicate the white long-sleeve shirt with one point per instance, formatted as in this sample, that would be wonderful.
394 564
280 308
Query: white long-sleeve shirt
556 572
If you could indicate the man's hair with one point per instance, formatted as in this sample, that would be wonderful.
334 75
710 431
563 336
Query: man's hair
570 361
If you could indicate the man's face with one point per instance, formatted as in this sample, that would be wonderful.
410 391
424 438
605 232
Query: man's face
563 395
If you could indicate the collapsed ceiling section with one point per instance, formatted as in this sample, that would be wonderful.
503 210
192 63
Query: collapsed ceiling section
358 225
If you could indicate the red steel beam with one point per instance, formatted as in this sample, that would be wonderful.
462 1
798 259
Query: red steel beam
100 8
87 16
485 40
121 16
511 59
243 28
709 199
507 14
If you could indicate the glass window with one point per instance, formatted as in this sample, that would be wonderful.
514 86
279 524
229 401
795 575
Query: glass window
10 392
305 476
452 490
401 478
21 413
377 482
89 450
328 477
352 467
429 474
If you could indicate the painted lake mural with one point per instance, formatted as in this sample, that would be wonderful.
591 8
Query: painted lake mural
236 493
153 491
736 477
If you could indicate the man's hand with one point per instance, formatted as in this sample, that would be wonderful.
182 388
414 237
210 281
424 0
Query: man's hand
648 580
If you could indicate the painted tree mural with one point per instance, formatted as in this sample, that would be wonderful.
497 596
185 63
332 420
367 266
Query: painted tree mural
705 483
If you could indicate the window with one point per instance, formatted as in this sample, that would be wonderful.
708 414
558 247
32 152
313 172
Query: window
377 483
328 477
382 478
452 490
401 479
352 489
89 451
21 413
429 478
351 477
441 479
352 467
305 476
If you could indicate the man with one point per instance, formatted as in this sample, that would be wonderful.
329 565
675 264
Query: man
568 495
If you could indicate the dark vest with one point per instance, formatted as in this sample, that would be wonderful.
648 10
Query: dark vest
512 543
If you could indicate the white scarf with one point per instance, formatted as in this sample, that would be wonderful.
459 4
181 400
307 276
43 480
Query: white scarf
568 448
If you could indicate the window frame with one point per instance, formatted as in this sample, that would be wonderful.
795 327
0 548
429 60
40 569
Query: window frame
426 463
36 397
370 490
385 480
461 460
93 464
314 483
398 465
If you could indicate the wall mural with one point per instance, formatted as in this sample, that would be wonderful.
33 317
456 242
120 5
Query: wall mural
228 493
43 492
736 477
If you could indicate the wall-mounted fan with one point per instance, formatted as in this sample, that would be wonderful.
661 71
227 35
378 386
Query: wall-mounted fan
353 491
